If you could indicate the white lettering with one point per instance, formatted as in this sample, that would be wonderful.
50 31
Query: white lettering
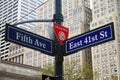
23 38
47 78
71 45
37 43
75 45
90 39
103 34
17 35
95 38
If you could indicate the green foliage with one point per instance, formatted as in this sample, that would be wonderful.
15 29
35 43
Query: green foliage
114 78
72 71
76 72
87 73
48 70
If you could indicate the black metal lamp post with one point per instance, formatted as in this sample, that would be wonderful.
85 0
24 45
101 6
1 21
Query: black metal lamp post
58 18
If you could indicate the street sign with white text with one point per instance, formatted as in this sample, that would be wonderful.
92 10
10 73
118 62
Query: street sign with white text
91 38
28 39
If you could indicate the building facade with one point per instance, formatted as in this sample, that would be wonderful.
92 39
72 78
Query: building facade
18 53
46 11
16 71
13 11
105 57
8 14
77 17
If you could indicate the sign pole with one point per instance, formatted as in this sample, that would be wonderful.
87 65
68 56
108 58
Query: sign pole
58 18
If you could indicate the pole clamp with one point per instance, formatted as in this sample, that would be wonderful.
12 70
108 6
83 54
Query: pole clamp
58 18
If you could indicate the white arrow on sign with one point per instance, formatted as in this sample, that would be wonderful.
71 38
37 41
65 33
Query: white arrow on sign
48 78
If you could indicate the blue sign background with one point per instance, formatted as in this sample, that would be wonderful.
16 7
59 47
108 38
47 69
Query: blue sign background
28 39
94 37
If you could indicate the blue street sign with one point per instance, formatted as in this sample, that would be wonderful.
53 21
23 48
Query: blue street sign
91 38
28 39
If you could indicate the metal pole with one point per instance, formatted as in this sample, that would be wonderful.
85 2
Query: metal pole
31 21
58 18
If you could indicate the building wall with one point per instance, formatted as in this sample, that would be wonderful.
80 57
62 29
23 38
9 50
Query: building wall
77 23
15 71
12 12
45 11
105 57
76 15
8 14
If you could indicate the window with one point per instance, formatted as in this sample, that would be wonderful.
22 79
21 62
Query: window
103 66
111 64
113 70
104 78
114 57
115 64
111 58
106 65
